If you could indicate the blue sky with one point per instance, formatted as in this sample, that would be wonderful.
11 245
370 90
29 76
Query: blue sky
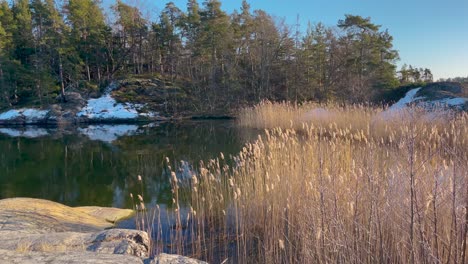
427 33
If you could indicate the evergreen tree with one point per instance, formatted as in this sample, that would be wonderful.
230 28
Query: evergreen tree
314 59
221 59
88 35
23 51
370 58
171 19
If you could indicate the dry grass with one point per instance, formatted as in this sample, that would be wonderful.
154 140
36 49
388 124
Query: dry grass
23 246
288 115
343 188
49 247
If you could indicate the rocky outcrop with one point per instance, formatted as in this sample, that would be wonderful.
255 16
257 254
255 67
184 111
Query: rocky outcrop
122 101
28 224
76 109
65 112
113 241
18 257
36 216
174 259
40 231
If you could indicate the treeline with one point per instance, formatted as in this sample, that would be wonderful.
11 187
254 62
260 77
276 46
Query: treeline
223 59
410 74
455 79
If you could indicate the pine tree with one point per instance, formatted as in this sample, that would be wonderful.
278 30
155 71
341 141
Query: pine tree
370 58
23 51
8 67
88 34
171 19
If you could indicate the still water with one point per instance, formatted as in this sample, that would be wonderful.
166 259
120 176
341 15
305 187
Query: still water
99 164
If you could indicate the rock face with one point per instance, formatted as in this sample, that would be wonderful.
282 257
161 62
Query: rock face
40 231
113 241
174 259
34 225
36 216
15 257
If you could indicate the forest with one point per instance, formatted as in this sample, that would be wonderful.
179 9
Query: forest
221 60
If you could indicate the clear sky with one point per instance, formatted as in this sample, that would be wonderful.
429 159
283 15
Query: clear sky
427 33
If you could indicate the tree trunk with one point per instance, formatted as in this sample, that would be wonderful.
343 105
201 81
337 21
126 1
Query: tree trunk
62 84
87 71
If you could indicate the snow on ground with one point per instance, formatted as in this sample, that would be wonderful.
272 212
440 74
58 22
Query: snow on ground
30 114
28 132
34 114
108 133
106 107
410 98
403 102
452 101
399 109
8 115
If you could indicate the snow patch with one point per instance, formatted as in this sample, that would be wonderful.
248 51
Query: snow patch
400 109
11 114
34 114
452 101
106 107
403 102
30 114
108 133
435 109
149 114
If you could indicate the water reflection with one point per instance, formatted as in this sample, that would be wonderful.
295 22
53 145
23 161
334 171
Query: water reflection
98 164
108 133
28 132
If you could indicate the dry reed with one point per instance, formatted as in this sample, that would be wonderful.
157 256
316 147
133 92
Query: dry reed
341 188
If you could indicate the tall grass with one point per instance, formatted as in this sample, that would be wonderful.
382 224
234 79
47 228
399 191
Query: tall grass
345 188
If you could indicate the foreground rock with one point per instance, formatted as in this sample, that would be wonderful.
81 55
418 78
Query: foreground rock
15 257
40 231
38 225
174 259
36 216
113 241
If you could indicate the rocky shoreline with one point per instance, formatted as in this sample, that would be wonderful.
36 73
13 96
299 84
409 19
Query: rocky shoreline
77 110
122 101
41 231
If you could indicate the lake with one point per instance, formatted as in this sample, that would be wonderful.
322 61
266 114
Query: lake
99 164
